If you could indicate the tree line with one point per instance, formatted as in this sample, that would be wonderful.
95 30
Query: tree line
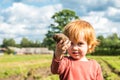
25 42
109 45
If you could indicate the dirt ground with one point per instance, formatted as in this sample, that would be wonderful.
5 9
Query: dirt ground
33 74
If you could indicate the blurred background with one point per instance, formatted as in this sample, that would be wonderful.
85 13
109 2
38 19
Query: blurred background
27 27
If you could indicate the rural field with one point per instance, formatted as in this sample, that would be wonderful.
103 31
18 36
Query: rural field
37 67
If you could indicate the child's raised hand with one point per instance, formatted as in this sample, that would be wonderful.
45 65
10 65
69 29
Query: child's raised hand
62 46
60 36
63 43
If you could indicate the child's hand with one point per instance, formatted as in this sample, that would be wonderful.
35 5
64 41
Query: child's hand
63 43
61 48
60 36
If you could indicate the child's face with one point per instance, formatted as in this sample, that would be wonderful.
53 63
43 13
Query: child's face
78 50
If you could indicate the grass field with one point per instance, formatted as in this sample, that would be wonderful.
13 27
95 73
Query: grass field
37 67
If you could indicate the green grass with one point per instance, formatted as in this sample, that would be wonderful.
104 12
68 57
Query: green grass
108 64
114 62
21 64
52 77
19 58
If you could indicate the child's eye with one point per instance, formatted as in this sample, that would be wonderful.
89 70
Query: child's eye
80 43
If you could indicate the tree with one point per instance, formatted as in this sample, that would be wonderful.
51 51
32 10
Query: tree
109 45
100 37
8 42
61 19
25 42
114 37
36 44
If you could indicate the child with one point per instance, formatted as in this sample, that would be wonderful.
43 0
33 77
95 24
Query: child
76 66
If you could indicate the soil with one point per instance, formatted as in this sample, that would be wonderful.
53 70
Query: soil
33 74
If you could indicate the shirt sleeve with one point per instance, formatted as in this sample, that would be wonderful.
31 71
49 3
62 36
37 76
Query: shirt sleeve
99 75
58 67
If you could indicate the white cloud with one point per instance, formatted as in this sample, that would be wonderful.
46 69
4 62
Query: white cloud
113 11
117 3
113 14
30 18
102 25
114 30
24 20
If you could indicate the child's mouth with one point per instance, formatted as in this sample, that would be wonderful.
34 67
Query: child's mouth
75 52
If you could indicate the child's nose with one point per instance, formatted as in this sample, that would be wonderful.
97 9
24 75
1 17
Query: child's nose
75 47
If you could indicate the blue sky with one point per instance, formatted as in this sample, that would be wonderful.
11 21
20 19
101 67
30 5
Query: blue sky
31 18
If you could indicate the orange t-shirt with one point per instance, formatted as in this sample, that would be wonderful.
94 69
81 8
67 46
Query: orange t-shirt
70 69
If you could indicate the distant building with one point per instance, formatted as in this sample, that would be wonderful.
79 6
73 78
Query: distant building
31 50
2 50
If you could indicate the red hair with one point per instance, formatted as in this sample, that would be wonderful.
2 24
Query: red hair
79 27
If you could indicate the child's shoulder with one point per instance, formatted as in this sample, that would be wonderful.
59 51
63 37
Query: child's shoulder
94 62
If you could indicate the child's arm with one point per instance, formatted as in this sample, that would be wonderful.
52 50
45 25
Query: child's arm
61 48
99 74
62 45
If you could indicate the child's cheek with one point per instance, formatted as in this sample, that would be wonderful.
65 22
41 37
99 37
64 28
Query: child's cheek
69 50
